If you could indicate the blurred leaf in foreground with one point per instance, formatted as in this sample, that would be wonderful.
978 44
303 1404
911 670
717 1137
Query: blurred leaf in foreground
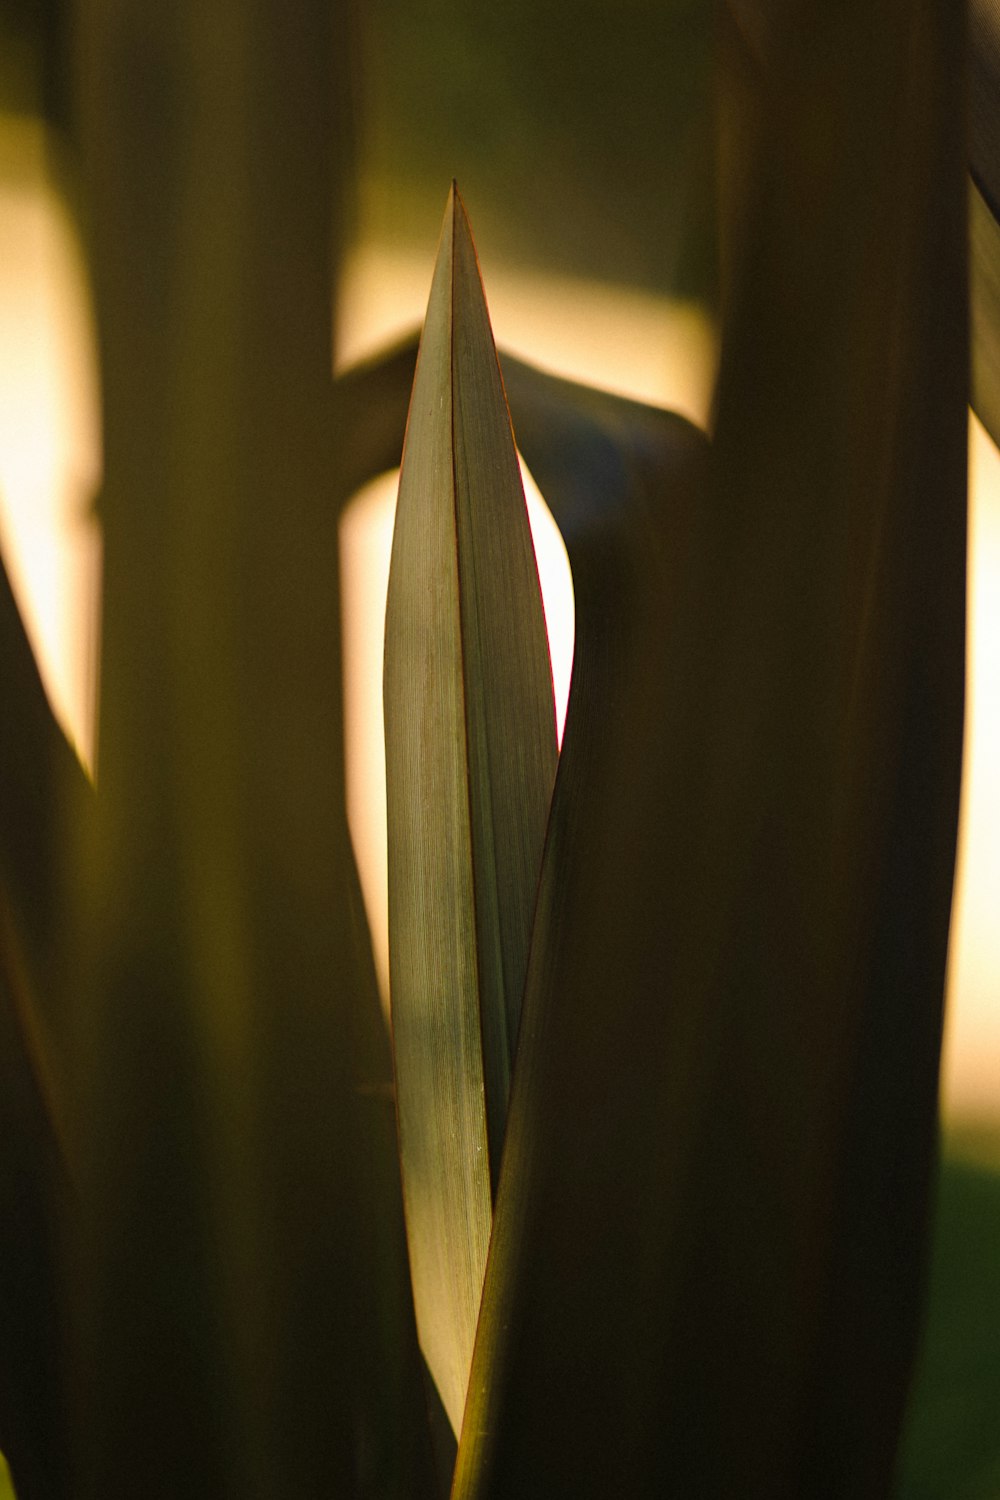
708 1246
222 1302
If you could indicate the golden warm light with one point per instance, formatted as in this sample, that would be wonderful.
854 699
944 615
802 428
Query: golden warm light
971 1074
641 346
49 428
646 347
365 546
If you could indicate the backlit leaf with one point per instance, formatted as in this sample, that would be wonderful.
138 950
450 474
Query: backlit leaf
471 757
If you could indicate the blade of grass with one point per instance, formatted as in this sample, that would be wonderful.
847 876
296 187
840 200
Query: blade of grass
470 758
707 1256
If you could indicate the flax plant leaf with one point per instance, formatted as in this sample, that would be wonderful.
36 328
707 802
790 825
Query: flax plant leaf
730 1044
470 758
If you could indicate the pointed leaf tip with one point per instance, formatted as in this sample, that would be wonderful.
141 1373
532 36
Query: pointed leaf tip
470 761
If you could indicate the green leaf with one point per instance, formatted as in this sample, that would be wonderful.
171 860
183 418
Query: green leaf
706 1264
470 758
6 1484
952 1444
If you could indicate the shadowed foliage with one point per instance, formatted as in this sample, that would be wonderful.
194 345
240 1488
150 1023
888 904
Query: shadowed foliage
42 791
749 985
707 1207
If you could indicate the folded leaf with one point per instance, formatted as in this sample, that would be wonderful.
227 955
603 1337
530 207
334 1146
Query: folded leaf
470 760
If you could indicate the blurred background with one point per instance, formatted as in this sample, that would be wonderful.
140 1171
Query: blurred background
586 183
